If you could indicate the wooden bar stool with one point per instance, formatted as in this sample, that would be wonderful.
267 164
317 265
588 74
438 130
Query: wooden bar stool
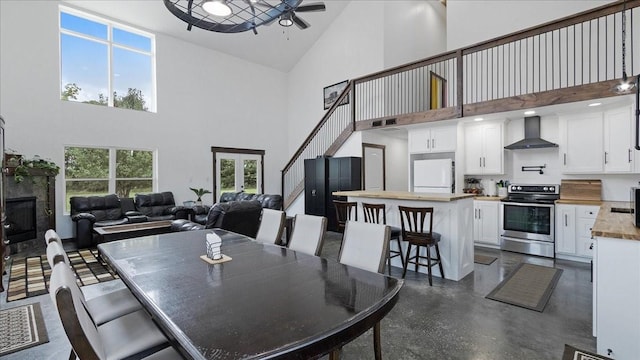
413 223
376 213
345 211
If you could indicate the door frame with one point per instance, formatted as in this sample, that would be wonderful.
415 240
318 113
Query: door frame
216 149
384 163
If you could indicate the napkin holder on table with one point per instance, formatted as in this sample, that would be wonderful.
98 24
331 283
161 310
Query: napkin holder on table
213 244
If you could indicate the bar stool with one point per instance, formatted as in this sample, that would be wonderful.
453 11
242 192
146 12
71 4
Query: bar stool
413 223
372 214
345 211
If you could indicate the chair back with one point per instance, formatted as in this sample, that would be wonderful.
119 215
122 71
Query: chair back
365 246
52 237
80 329
374 213
308 234
413 219
345 211
55 254
271 226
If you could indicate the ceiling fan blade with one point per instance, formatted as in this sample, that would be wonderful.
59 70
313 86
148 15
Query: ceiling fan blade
311 7
299 21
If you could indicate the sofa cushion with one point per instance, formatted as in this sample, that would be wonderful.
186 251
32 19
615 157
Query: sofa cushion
155 204
229 196
111 222
102 207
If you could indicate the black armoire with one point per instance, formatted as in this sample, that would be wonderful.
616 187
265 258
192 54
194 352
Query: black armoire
323 176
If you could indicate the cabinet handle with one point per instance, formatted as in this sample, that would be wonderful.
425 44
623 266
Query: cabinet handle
565 158
629 150
479 213
480 161
475 213
605 157
591 246
565 220
428 144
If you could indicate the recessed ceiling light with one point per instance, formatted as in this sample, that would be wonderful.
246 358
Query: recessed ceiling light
478 119
595 104
530 112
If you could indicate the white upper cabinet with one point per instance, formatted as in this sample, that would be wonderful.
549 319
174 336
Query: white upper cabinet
582 143
618 141
484 149
433 139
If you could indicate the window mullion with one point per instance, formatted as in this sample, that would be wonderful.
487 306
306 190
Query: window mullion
111 101
112 170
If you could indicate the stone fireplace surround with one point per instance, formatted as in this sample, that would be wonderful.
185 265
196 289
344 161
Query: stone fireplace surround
41 185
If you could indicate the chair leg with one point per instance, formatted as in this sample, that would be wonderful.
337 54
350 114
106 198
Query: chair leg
335 354
400 251
439 261
417 257
376 341
429 265
389 261
72 356
406 264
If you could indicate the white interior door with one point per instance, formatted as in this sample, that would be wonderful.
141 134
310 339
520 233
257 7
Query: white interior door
373 168
238 172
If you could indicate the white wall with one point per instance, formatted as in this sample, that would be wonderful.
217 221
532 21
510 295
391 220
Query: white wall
473 21
205 99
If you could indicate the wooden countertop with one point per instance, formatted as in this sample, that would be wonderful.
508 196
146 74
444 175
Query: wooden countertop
488 198
615 225
579 202
404 195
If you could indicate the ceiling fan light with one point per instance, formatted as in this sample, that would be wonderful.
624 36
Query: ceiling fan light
217 8
285 20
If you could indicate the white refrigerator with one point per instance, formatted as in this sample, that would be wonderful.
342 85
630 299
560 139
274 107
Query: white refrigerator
434 175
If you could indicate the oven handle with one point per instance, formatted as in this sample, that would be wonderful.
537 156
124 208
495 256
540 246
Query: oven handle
528 204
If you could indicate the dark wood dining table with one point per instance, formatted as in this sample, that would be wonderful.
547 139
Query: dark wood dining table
267 302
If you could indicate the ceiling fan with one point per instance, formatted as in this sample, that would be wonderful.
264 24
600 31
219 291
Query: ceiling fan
289 16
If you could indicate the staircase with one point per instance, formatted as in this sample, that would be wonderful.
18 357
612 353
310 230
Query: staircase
572 59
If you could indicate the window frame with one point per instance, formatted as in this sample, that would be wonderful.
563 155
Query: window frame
110 24
112 179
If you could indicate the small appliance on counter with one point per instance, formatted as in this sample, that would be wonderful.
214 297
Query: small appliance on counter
581 190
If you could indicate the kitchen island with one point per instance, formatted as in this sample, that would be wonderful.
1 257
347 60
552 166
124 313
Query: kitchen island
616 282
452 218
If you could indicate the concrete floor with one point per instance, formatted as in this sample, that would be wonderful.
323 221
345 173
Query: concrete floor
449 320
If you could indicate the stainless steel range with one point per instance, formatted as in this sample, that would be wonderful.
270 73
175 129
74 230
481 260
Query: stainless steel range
527 219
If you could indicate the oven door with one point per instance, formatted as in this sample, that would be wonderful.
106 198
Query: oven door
528 221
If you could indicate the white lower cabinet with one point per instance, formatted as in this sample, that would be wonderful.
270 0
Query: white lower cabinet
616 297
486 222
573 231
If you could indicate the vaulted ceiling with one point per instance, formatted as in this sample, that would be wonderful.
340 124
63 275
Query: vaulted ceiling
274 46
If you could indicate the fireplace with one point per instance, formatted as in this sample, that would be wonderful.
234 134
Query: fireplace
20 224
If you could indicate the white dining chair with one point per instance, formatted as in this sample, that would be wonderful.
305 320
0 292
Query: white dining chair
365 246
50 236
102 308
271 226
134 334
308 234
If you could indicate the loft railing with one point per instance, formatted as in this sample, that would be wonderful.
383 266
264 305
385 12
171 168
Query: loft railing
571 59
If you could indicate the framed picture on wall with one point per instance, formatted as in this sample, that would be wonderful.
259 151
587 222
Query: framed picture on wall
437 91
331 93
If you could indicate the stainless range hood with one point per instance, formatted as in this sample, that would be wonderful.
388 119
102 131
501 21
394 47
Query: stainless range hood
532 138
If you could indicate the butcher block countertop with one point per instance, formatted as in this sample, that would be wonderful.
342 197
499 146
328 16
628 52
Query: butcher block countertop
488 198
404 195
579 202
615 225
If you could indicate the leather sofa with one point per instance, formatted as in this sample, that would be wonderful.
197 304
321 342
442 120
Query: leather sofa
242 217
200 213
96 211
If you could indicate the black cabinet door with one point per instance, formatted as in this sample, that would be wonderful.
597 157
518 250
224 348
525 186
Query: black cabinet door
315 188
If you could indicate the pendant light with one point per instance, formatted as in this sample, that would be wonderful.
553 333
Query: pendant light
217 8
626 86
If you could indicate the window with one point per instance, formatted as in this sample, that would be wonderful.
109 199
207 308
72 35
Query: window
100 171
100 58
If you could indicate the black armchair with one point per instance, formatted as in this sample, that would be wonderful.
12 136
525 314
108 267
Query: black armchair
160 206
242 217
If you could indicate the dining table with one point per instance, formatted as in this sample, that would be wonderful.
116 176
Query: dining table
265 302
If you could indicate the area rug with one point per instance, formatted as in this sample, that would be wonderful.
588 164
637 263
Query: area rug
571 353
30 276
528 286
483 259
21 327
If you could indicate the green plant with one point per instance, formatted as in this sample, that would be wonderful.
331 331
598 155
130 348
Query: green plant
200 192
22 170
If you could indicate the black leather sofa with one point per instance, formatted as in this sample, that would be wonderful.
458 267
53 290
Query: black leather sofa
96 211
242 217
200 213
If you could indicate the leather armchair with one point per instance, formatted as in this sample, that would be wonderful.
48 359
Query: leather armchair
160 206
242 217
91 211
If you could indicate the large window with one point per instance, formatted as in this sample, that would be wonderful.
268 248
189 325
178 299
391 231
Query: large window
106 63
100 171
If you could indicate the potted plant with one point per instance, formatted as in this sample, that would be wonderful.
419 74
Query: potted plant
200 192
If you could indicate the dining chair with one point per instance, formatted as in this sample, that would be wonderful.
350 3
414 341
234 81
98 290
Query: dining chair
271 226
345 211
308 234
134 335
51 235
413 221
376 214
365 246
102 308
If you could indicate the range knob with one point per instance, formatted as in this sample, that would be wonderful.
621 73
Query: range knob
545 189
519 188
552 188
513 188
